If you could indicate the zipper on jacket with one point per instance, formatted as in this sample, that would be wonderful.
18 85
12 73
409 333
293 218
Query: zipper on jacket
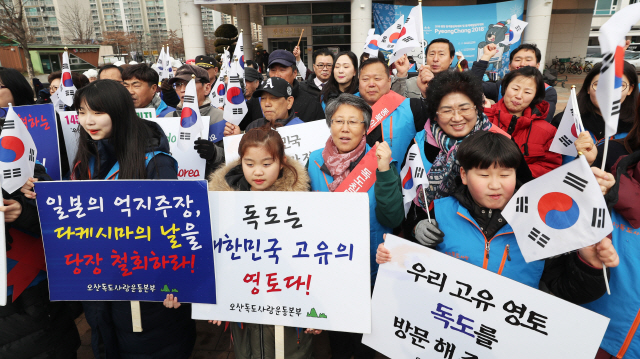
261 343
629 337
505 256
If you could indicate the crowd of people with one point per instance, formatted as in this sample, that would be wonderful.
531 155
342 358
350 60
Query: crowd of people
479 143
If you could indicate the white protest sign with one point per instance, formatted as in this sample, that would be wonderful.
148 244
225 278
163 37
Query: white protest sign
70 128
146 113
190 165
426 304
299 140
279 262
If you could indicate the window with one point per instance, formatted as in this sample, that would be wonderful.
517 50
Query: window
605 7
330 30
330 40
331 8
324 19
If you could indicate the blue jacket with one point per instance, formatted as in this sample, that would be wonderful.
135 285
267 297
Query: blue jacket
376 230
623 305
163 109
464 240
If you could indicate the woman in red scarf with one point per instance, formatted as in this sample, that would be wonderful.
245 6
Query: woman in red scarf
521 113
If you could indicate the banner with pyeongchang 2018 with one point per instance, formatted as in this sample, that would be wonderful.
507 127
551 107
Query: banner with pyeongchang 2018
469 28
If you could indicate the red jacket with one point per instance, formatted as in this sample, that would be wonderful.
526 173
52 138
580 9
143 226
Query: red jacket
531 132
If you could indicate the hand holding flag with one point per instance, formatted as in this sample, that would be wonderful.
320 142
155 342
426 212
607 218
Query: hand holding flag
412 175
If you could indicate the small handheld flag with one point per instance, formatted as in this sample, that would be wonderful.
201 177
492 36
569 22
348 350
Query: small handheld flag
235 107
409 35
67 88
390 36
17 153
412 175
516 27
190 120
371 44
568 130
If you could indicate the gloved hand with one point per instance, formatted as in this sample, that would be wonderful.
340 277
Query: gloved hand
164 85
206 149
428 233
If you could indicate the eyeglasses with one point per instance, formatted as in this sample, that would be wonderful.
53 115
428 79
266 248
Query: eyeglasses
324 66
450 112
350 123
594 86
51 88
179 84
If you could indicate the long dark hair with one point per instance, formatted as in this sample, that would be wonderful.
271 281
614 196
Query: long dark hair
19 86
632 141
129 133
628 108
332 88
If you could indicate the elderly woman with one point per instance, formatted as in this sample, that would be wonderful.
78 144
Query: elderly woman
348 117
522 113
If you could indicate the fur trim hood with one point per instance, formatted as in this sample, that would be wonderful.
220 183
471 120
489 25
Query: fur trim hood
224 179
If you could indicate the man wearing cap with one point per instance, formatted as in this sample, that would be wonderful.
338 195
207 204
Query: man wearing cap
207 149
210 64
282 64
322 66
276 103
252 80
142 82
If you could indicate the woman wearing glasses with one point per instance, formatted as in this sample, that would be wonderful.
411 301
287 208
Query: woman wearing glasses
348 117
521 113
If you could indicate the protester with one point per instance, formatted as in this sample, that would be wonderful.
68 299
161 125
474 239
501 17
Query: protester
522 114
617 147
322 66
283 64
15 88
263 166
110 72
404 116
590 111
252 64
91 74
621 307
365 56
521 56
344 77
462 64
349 117
265 61
303 72
142 83
252 79
210 65
471 219
439 56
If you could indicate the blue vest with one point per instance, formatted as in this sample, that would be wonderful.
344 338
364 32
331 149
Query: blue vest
114 172
420 137
623 305
404 130
376 230
464 240
566 159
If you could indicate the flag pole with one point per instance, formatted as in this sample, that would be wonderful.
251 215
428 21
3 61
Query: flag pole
426 204
421 41
299 39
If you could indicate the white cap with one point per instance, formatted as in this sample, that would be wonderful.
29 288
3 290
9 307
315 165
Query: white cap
459 53
133 62
90 73
176 63
119 63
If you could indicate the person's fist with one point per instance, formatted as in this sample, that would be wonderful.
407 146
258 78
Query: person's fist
230 129
12 210
403 65
383 255
489 51
585 144
424 77
605 179
599 253
383 154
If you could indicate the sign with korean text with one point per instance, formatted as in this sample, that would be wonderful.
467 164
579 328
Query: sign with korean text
190 165
280 262
429 305
127 240
299 140
40 121
70 128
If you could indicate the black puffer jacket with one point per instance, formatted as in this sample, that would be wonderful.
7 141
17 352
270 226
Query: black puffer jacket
30 325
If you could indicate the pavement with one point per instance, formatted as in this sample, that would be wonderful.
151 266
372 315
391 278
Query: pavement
565 92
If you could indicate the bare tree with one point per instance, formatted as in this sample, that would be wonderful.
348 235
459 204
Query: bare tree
176 44
120 39
78 22
13 24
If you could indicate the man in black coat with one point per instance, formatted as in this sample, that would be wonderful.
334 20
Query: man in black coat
282 64
322 66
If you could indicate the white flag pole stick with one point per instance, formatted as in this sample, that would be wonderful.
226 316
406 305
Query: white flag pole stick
279 336
136 321
424 193
421 42
604 154
3 261
606 280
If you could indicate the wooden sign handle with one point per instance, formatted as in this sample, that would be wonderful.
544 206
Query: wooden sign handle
300 37
136 321
279 334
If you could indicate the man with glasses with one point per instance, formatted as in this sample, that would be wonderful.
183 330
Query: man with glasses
142 82
322 66
207 149
282 64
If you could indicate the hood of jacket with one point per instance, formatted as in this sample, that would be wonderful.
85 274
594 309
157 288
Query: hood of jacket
231 178
498 114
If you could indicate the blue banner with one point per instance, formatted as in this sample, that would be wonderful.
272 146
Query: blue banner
43 127
216 131
127 240
469 28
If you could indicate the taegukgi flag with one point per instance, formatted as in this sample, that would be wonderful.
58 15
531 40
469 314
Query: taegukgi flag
568 130
412 175
612 39
390 36
217 93
167 70
558 212
516 27
409 35
235 106
238 57
160 63
190 120
371 44
17 153
67 88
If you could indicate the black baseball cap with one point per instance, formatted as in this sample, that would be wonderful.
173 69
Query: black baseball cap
276 86
282 57
206 62
251 74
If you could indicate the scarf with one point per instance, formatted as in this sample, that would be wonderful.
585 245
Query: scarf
338 163
445 168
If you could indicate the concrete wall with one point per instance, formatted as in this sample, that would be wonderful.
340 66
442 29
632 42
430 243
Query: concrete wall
570 27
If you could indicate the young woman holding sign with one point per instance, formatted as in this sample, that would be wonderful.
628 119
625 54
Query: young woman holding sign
116 144
331 169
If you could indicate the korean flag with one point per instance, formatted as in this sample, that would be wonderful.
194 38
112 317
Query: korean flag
190 120
409 35
67 88
412 174
217 93
561 211
238 57
235 107
516 27
55 100
17 153
390 36
167 70
568 130
371 44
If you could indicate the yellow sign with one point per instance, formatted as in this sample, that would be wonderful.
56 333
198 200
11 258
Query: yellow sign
145 52
155 52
